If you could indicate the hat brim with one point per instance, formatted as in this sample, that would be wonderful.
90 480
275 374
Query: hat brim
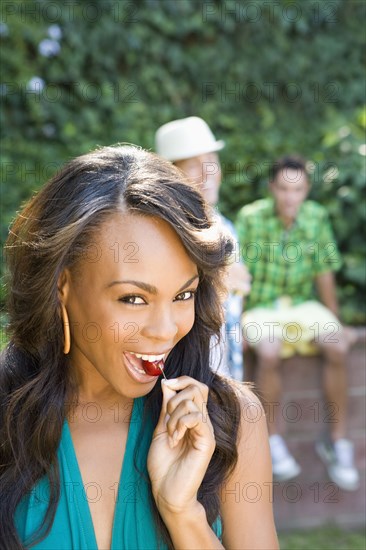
217 146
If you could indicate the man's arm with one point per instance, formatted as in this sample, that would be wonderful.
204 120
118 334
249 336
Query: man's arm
329 261
326 287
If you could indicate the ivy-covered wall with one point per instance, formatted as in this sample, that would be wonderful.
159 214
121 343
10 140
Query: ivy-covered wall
270 77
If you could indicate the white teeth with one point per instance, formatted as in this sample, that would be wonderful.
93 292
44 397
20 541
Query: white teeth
141 371
151 358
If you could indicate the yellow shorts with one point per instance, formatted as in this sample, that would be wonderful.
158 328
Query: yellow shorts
299 327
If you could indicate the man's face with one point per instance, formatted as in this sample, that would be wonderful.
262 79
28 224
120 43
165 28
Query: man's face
205 172
289 189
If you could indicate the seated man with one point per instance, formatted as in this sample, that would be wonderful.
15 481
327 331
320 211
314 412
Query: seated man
288 245
192 147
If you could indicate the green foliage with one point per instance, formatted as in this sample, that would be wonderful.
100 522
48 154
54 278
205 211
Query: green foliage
269 79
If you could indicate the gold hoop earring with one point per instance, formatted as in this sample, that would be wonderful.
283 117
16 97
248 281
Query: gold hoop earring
66 325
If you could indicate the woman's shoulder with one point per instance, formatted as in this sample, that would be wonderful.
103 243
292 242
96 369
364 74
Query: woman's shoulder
244 407
244 391
250 406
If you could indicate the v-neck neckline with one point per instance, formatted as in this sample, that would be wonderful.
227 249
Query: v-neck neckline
82 505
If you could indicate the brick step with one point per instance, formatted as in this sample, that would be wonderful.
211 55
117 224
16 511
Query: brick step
299 504
356 372
298 414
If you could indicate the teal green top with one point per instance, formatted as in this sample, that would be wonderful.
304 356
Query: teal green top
72 529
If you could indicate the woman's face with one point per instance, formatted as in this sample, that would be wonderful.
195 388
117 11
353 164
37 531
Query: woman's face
133 293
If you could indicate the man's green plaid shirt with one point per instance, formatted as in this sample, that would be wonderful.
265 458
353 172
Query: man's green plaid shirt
284 262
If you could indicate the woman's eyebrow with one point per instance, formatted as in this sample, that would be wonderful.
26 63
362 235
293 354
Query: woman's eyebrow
149 288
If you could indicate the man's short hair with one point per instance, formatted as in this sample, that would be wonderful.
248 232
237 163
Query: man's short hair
291 162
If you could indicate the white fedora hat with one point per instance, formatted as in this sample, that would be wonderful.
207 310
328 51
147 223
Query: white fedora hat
185 138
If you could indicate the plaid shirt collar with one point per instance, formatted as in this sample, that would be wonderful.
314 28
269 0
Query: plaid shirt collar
299 223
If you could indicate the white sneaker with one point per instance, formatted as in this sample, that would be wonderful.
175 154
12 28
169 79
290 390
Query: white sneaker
338 459
284 466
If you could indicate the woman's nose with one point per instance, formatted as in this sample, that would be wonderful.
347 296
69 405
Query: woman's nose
161 325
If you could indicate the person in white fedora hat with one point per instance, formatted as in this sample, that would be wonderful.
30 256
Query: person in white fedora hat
186 138
190 144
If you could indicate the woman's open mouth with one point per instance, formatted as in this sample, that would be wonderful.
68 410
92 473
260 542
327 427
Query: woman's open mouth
144 367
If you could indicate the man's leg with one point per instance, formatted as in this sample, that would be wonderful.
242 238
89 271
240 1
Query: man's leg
335 384
269 379
337 454
269 384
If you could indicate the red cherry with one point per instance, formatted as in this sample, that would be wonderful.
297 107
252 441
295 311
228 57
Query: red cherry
153 368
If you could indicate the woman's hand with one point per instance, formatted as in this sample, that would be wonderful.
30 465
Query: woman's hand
182 446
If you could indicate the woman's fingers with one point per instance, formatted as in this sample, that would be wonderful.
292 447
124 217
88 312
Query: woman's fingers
168 393
184 423
184 407
187 414
184 381
200 430
183 443
186 385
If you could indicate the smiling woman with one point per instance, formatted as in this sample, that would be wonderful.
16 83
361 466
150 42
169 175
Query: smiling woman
157 303
115 272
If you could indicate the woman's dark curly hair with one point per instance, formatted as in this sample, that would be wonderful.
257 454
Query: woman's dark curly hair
52 233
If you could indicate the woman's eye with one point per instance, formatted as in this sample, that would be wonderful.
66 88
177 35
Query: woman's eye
187 295
133 300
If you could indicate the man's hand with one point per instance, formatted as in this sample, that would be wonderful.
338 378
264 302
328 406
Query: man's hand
238 279
325 285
